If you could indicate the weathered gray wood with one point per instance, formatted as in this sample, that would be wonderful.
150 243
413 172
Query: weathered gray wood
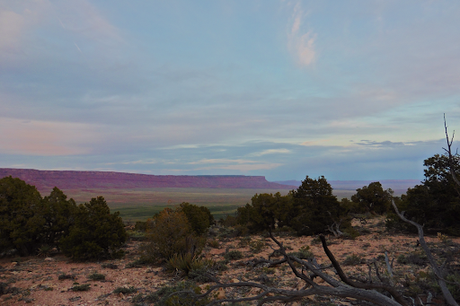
440 273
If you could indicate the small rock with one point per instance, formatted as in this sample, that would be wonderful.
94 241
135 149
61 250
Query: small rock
220 293
49 259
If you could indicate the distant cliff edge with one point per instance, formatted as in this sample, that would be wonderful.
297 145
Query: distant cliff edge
45 180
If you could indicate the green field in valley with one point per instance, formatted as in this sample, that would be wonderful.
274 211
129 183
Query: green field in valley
140 204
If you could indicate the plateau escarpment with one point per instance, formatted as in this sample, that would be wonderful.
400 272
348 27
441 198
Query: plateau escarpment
45 180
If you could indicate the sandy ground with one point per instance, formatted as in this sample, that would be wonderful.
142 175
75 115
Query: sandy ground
35 280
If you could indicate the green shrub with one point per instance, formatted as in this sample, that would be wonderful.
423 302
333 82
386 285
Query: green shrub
109 266
96 276
233 255
96 234
303 253
244 241
136 235
266 212
140 226
125 290
165 296
20 222
401 259
3 288
138 263
83 287
203 273
315 208
168 234
350 232
229 221
256 246
199 217
453 285
182 262
372 198
44 250
214 243
67 276
59 215
220 265
435 202
353 260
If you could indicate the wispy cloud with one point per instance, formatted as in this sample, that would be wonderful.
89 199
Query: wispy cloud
11 26
242 167
46 138
82 18
301 43
387 143
223 161
271 151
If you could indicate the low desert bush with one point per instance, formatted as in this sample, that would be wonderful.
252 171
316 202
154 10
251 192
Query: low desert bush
67 276
244 241
353 260
109 266
233 255
140 226
125 290
165 295
96 276
303 253
169 234
257 246
136 235
96 234
82 287
350 232
214 243
414 258
138 263
44 250
183 262
199 217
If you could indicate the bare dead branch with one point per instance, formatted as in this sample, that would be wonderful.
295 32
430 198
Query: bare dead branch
335 287
389 269
396 295
450 155
434 266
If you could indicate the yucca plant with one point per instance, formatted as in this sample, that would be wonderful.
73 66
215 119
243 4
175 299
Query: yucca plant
44 250
181 262
187 263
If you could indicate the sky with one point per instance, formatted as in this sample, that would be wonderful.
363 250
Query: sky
352 90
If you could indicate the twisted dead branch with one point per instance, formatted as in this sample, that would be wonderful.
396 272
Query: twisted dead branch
307 271
439 272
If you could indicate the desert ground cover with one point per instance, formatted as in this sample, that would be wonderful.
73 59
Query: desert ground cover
140 204
52 279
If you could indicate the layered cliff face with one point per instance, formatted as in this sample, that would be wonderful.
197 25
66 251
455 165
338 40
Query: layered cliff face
46 180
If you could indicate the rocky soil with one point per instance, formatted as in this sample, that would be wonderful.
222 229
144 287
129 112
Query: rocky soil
55 280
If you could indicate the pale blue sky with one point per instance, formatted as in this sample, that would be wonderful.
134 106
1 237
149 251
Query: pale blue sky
284 89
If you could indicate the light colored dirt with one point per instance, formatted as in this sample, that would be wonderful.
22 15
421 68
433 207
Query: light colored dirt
36 278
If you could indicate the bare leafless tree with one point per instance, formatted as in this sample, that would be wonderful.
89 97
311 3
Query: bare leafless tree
450 155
